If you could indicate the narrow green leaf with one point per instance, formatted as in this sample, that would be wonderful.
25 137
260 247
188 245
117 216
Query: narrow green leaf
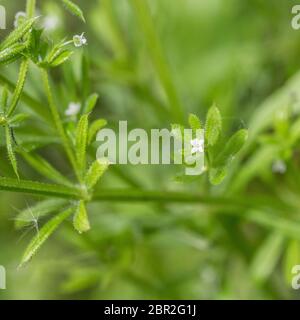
95 172
90 103
39 210
81 142
232 147
12 53
3 100
94 128
194 122
18 33
217 175
213 126
19 87
10 150
291 259
43 235
17 119
74 9
45 168
267 257
81 221
61 58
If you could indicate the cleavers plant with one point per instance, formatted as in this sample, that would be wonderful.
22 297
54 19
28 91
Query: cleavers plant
28 46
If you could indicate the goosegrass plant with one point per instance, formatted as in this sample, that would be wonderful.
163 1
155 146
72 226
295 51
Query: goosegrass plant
236 159
27 44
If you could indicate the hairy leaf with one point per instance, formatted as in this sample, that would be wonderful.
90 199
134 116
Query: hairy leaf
213 126
194 122
10 150
43 235
18 33
95 172
232 147
41 209
81 221
61 58
94 128
90 103
81 141
12 53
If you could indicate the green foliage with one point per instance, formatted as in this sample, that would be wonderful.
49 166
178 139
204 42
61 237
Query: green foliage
231 232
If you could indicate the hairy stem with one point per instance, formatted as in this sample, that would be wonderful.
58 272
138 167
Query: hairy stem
58 124
19 87
37 188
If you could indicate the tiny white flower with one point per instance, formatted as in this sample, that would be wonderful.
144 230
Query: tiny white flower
51 22
79 41
197 145
73 109
19 18
279 166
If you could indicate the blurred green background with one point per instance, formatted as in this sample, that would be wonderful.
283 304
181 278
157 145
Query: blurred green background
242 55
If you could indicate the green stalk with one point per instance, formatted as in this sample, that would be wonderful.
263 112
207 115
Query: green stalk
30 8
59 125
142 12
19 87
37 188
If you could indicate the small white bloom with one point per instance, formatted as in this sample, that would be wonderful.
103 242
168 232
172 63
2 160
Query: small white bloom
279 166
19 18
197 145
79 41
51 22
73 109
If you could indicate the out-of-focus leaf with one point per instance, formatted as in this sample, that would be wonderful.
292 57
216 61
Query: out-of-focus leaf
94 128
90 103
217 175
213 126
17 119
291 259
232 147
74 9
267 257
45 168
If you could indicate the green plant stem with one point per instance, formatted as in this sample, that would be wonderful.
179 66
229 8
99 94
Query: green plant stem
37 188
30 8
59 125
19 87
147 26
